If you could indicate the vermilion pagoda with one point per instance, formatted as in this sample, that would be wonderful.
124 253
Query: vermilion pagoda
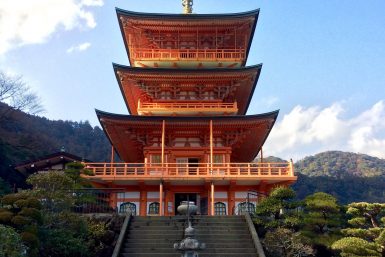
188 137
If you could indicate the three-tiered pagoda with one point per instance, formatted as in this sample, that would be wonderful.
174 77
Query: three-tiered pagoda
188 136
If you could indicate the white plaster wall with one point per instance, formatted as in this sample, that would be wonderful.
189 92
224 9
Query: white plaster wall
243 196
135 195
154 194
220 194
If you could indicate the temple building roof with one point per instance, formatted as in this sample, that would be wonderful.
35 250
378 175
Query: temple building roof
129 134
145 32
238 85
54 161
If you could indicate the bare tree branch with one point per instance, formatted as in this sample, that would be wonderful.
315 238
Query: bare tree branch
16 95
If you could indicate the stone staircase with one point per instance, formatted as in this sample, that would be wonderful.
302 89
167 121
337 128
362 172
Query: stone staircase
225 236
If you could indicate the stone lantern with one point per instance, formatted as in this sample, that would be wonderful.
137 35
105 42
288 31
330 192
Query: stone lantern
189 246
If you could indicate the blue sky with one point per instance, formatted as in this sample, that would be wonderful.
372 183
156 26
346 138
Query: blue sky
323 64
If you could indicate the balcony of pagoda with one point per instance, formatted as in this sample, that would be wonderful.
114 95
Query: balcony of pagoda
187 58
247 172
187 108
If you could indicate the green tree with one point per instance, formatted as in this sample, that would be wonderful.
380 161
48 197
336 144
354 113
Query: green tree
321 221
58 188
11 244
22 211
65 235
279 209
322 213
366 238
55 188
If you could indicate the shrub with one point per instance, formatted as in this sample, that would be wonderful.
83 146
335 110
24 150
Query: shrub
5 216
10 243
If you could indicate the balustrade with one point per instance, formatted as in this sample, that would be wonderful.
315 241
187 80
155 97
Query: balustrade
188 54
181 170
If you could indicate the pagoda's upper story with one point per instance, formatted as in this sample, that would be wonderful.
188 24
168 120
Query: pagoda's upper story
187 92
187 41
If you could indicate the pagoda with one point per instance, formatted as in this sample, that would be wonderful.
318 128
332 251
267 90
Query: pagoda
188 136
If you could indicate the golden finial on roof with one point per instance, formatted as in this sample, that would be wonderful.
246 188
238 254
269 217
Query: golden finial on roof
187 5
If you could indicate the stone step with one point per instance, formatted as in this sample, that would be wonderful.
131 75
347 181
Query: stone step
178 255
224 236
179 217
194 223
172 240
172 250
214 244
160 233
182 228
198 236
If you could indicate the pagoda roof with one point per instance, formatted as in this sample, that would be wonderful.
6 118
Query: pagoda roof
248 76
162 19
246 134
182 16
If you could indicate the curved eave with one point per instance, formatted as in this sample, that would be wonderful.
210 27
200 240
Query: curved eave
162 16
118 129
256 68
213 16
124 117
168 70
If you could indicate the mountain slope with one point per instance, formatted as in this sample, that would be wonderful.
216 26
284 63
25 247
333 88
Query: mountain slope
341 164
350 177
25 137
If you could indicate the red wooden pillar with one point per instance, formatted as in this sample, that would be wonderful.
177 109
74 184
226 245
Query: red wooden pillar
230 201
161 205
212 199
143 203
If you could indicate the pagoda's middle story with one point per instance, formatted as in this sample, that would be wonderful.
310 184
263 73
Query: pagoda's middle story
188 136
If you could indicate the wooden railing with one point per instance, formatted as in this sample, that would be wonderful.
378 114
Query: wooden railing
188 54
185 170
188 107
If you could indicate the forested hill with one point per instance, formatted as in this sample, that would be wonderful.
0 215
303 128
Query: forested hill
341 164
25 137
350 177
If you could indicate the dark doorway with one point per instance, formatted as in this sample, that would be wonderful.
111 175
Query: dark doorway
193 164
204 205
184 197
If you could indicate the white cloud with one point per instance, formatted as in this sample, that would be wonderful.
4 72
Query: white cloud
79 48
306 131
269 101
33 21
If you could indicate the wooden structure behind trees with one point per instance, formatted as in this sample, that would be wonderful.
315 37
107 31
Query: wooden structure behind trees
188 135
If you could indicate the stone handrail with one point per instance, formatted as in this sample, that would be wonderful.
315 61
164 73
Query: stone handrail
254 235
122 234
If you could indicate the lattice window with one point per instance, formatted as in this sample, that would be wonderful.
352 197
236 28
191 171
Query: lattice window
220 208
128 207
153 208
156 158
246 207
